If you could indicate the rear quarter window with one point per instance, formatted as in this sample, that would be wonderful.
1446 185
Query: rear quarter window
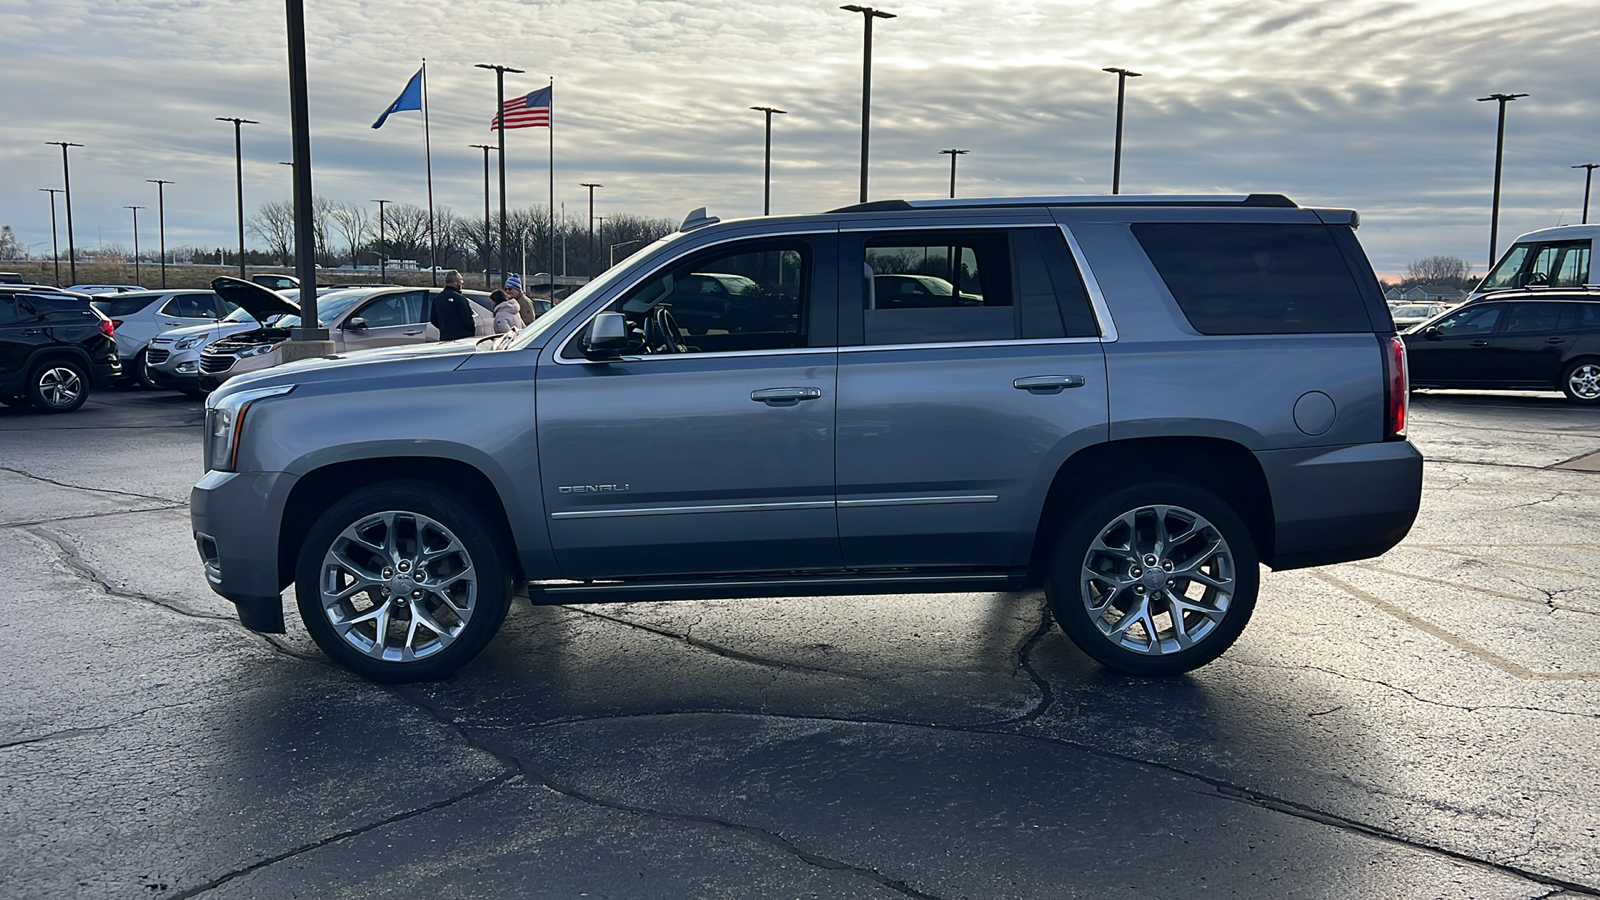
1256 278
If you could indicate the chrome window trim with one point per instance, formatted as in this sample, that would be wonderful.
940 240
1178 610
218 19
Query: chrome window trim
1097 297
681 510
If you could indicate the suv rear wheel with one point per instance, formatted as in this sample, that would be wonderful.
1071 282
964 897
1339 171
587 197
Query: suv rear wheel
1154 579
402 582
58 385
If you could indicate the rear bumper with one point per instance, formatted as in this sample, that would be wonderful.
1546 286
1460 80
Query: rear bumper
1334 505
235 516
105 374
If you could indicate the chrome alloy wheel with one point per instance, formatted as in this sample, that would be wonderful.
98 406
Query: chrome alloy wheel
1158 580
60 386
398 586
1584 381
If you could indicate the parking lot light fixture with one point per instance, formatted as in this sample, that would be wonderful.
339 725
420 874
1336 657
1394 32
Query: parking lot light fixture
1591 168
161 221
766 189
136 242
238 172
868 14
953 153
55 248
1499 155
1116 154
66 190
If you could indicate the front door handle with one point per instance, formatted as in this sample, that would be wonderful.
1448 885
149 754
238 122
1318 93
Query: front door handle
412 333
785 396
1048 384
1555 340
1480 343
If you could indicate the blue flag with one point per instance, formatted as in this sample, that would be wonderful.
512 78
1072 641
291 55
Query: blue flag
410 98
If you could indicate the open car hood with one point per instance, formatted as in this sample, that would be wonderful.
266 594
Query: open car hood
261 302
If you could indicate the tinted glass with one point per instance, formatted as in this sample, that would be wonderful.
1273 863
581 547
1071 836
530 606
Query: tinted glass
1256 279
1470 322
392 309
122 307
1505 274
1579 317
1532 318
938 287
1071 294
8 309
192 306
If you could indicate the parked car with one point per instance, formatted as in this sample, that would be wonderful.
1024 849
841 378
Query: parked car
105 288
356 319
140 316
918 292
12 278
1408 314
54 347
1548 258
1157 395
1513 340
276 282
173 358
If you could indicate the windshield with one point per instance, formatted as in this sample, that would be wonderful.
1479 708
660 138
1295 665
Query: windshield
329 307
544 323
1505 274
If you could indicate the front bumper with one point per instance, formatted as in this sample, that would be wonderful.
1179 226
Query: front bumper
235 517
1337 504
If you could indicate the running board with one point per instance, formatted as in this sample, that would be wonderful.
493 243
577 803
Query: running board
552 592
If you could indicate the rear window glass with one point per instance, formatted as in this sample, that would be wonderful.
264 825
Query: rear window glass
120 307
1256 278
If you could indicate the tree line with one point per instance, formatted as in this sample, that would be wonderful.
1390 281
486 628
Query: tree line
348 233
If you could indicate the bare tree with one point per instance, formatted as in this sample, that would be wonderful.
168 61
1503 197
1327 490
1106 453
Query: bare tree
352 223
274 224
9 248
1442 270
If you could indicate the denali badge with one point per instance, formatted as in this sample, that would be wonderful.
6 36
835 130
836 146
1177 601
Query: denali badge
592 488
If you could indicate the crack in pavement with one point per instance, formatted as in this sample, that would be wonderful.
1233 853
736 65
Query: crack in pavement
1474 589
69 733
771 838
1551 499
78 487
23 523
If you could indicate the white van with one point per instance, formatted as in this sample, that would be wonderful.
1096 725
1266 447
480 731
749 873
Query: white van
1551 257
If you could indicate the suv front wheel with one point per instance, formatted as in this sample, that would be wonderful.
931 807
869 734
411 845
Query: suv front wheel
1154 579
402 582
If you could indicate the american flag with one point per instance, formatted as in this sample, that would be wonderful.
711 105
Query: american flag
532 111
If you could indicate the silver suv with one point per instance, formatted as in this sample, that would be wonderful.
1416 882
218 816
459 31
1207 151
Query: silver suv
1133 402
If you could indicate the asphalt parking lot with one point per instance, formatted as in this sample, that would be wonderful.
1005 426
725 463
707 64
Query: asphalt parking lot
1420 725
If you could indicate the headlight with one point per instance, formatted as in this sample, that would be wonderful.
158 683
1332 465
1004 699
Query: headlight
257 350
189 343
225 422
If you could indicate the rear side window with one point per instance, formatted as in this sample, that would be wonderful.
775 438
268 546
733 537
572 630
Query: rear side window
938 287
1532 318
1580 317
122 307
1256 278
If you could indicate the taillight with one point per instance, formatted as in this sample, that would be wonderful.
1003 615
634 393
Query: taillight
116 323
106 327
1399 390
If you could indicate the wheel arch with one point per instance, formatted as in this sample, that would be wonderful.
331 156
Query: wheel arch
317 490
1221 466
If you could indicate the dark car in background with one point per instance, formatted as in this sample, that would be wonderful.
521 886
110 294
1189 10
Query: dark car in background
53 347
1513 340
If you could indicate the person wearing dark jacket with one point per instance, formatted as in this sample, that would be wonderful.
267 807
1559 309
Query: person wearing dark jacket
451 314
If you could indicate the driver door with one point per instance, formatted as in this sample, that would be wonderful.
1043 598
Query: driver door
715 454
387 321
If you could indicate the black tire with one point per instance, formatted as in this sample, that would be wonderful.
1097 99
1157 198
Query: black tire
141 372
485 550
58 385
1095 632
1580 381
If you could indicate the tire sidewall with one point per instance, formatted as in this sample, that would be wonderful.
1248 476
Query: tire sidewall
1064 591
1566 381
36 392
490 558
141 371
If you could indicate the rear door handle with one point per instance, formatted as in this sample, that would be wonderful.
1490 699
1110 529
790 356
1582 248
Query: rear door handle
785 396
1048 384
413 333
1555 340
1480 343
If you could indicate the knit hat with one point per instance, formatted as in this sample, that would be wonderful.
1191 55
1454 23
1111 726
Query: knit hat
514 281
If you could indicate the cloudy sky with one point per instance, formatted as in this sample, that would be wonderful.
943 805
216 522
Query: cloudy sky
1361 103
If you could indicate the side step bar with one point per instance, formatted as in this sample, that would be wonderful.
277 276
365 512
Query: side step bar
552 592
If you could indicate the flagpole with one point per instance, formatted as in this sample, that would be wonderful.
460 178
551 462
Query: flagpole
427 151
552 257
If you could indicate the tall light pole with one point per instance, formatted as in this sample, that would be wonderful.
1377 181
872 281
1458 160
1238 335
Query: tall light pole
383 242
867 13
953 152
500 126
766 190
55 248
486 240
136 241
66 188
238 169
1116 156
1591 168
614 250
161 221
1499 154
591 185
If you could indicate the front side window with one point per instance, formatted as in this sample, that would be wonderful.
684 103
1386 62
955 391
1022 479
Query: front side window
745 298
1504 275
1475 321
1561 265
393 309
192 306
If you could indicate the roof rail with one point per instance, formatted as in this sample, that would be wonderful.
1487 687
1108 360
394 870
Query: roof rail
1256 200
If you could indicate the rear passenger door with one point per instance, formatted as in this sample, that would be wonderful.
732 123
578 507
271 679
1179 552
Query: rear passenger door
955 415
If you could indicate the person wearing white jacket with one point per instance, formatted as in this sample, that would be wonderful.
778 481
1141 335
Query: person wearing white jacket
507 315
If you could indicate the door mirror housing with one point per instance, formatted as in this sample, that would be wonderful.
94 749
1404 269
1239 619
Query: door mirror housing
1432 333
606 337
356 324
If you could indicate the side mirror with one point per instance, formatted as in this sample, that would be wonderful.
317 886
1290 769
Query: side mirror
356 324
1432 333
606 337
